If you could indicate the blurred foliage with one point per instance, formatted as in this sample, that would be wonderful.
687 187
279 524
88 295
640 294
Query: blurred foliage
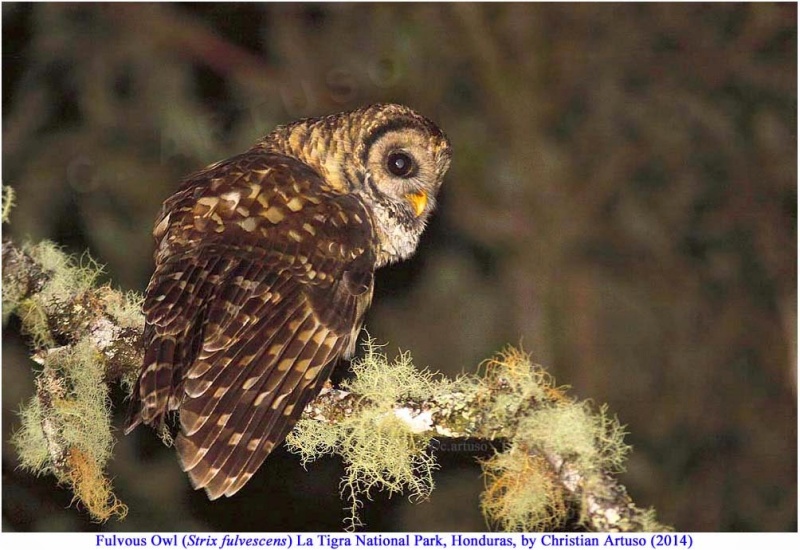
622 199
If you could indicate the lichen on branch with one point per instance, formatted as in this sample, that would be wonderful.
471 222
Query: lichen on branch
84 336
558 455
380 450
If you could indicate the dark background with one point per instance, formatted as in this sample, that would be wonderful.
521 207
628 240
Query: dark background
622 201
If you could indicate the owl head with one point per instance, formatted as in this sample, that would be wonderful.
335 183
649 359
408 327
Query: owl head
388 155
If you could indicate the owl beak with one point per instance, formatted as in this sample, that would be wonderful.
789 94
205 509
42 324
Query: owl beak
419 201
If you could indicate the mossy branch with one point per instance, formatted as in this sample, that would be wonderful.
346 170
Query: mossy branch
559 455
85 336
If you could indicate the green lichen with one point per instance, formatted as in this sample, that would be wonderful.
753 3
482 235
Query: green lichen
385 383
649 523
591 439
82 415
30 442
521 492
8 202
78 412
379 450
66 278
127 312
68 275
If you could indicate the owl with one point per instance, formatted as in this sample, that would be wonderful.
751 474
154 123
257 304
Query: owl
264 270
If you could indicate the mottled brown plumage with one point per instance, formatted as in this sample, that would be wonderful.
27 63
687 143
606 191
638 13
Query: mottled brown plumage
264 270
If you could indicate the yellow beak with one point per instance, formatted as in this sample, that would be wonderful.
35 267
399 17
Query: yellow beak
419 201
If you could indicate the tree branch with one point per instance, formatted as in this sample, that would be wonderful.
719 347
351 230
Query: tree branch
559 454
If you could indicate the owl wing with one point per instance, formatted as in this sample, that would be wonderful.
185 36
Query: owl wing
263 275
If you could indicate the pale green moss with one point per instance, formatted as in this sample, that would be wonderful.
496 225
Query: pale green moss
29 440
79 414
513 370
382 454
66 279
8 202
86 412
650 524
591 439
610 440
312 439
82 415
521 493
127 381
127 312
379 450
566 430
74 409
377 379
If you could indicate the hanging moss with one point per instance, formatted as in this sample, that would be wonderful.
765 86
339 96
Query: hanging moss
380 451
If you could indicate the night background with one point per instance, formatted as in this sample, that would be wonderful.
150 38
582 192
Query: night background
622 202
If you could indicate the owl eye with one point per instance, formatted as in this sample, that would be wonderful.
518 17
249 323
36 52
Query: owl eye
401 164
